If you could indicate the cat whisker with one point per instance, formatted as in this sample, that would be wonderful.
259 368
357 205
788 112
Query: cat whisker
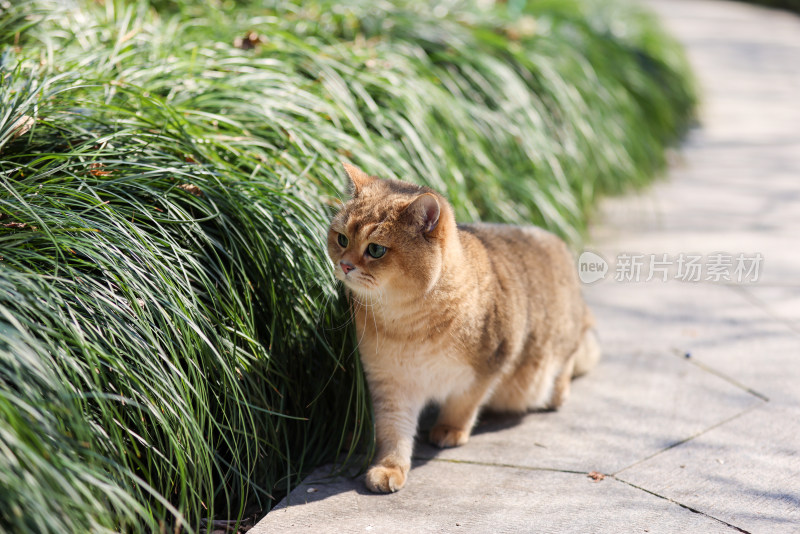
363 330
375 322
325 307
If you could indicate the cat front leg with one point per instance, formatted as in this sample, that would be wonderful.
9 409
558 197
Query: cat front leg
395 427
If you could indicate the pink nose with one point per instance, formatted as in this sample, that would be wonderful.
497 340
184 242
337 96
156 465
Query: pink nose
347 267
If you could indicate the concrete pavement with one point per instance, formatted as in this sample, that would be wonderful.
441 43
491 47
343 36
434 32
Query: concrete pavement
693 415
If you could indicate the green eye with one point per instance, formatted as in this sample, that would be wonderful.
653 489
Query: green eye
343 241
376 251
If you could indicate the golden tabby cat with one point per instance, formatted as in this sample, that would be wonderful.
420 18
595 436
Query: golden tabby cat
468 316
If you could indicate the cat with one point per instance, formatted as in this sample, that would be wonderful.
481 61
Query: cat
469 316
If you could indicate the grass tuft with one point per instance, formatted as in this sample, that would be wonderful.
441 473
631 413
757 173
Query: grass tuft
173 347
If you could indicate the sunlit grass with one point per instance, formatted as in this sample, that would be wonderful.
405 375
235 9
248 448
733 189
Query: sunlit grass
173 347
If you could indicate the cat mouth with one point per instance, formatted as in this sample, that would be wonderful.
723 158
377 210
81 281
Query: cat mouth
360 284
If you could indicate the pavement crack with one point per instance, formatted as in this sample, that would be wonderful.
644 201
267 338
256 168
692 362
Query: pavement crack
494 464
723 376
685 506
688 439
730 380
766 308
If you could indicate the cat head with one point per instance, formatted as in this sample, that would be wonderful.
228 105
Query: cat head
389 239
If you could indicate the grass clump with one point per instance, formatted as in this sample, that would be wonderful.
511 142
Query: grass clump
173 348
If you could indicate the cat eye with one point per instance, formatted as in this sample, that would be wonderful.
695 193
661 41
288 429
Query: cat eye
343 241
376 251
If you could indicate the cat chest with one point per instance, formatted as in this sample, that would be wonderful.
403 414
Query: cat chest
428 371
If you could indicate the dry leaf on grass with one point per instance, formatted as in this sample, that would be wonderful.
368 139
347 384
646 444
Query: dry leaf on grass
193 189
21 126
249 41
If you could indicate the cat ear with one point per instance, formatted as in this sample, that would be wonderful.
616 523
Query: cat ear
358 178
425 209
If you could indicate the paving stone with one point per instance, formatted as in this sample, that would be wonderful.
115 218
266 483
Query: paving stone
718 326
715 189
734 186
745 58
745 472
632 406
680 317
768 363
778 266
717 204
452 497
781 302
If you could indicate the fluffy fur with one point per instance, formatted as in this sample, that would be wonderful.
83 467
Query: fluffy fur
468 316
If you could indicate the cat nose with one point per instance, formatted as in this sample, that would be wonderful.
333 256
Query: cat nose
347 266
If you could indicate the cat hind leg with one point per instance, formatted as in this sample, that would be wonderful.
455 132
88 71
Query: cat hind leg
580 362
587 354
457 416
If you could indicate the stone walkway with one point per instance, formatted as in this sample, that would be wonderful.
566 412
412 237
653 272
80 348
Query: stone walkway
693 415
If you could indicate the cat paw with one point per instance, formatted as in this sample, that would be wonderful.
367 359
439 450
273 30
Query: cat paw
382 479
447 436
